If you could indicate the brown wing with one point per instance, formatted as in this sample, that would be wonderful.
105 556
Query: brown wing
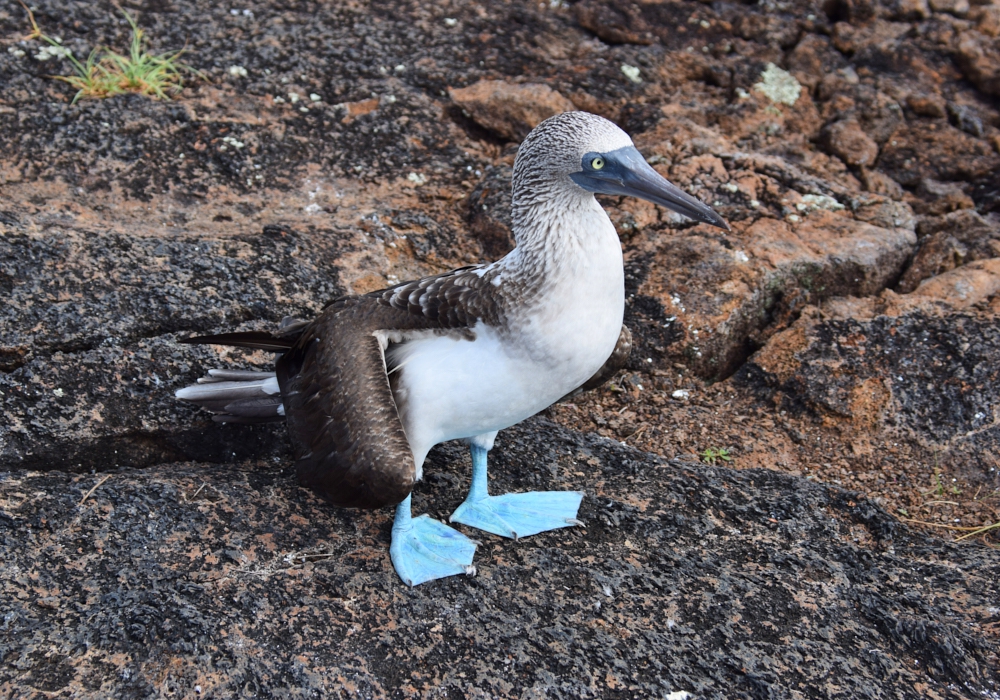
618 359
348 439
456 299
349 444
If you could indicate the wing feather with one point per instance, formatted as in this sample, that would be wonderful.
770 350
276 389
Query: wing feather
344 424
348 440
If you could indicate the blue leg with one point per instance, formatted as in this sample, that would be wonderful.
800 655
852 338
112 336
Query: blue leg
424 549
514 514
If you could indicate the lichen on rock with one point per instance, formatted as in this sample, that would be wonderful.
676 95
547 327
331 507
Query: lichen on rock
778 85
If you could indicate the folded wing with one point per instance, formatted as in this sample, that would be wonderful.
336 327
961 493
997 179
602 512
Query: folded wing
349 443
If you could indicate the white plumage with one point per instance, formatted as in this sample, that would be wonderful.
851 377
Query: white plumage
453 388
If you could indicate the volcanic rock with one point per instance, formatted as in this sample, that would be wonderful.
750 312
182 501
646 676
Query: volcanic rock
852 145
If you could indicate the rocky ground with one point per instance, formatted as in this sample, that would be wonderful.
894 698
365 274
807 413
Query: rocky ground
840 344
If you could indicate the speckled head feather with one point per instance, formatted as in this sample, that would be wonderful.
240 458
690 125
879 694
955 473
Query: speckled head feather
553 150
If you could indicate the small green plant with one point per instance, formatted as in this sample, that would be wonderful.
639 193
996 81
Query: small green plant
713 454
939 488
107 73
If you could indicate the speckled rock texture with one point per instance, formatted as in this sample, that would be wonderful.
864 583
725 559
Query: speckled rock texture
191 580
918 368
839 346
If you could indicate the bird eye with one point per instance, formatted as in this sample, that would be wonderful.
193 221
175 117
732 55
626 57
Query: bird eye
597 163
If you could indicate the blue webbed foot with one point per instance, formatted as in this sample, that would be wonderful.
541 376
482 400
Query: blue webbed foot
424 549
517 515
514 514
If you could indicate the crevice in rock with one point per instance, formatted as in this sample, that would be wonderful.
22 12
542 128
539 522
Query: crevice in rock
11 361
201 441
472 128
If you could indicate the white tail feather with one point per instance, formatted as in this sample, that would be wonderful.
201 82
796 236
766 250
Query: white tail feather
237 396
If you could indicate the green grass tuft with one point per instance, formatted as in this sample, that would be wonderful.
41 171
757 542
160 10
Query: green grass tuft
107 73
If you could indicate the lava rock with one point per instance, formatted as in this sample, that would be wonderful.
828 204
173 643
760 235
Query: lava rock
959 8
936 151
927 105
898 367
147 551
619 23
204 578
949 241
979 57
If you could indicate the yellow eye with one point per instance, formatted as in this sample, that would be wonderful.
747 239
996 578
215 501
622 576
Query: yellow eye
597 163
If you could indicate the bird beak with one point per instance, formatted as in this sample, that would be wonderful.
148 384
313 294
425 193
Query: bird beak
626 172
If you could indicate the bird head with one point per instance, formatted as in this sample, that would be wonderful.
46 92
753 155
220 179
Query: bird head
587 152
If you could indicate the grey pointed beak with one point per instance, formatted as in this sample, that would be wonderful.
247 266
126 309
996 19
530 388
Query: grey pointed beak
626 172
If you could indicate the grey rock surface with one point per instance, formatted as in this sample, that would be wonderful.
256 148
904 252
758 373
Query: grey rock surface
235 581
90 329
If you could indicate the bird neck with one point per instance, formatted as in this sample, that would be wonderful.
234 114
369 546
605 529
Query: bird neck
554 221
562 237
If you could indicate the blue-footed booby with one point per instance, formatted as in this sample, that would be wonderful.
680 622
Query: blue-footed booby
374 382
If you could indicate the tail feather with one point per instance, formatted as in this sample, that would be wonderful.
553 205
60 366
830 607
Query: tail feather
244 420
243 396
231 391
233 375
257 408
237 396
255 340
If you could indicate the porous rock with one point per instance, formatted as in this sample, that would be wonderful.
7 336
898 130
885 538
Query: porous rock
941 197
959 8
620 23
907 9
918 366
927 105
988 22
204 579
949 241
937 151
147 551
979 57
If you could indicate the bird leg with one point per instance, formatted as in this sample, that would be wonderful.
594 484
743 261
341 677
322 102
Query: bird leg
514 515
424 549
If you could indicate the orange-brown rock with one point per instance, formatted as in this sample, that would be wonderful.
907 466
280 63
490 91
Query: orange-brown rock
937 151
988 20
927 105
850 143
979 57
510 109
886 367
620 23
959 8
723 295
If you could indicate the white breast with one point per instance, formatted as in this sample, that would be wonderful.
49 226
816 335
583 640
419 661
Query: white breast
453 388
